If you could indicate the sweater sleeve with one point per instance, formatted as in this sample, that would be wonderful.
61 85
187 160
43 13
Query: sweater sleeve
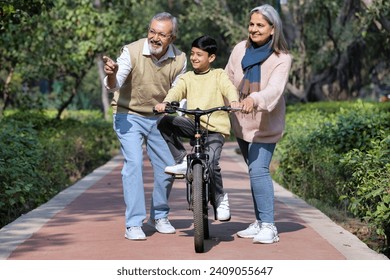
229 91
233 67
178 92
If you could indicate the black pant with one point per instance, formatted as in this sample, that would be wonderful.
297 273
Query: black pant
172 128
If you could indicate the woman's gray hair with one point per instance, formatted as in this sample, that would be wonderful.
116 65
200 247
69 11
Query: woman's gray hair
167 16
279 43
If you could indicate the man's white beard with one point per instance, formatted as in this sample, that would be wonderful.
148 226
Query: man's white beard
154 51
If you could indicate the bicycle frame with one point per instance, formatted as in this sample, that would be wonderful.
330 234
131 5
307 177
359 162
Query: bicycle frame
197 175
198 156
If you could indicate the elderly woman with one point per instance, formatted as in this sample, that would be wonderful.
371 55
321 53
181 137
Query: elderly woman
259 68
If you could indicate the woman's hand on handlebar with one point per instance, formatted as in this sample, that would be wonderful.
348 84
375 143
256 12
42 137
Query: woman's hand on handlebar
160 107
247 105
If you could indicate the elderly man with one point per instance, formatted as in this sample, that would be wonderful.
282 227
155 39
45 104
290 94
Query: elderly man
140 79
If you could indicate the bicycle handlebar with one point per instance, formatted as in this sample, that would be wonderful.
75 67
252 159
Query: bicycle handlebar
174 106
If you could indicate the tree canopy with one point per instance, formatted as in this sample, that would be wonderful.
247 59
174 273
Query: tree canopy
340 49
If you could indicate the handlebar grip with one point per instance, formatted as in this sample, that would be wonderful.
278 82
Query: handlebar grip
157 112
175 104
170 108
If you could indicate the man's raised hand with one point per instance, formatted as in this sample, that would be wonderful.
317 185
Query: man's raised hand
110 66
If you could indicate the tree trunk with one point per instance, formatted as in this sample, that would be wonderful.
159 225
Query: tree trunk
75 87
104 95
66 103
6 96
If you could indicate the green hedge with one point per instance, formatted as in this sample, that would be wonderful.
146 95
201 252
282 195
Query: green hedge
338 153
40 156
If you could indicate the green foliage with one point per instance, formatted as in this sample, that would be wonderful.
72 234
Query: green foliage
69 37
367 191
320 48
19 157
338 46
301 166
339 156
16 11
226 21
41 156
330 41
376 14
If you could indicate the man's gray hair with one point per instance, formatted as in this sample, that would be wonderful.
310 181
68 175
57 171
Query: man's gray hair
167 16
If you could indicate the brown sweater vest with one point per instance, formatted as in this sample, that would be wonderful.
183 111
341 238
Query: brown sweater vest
147 84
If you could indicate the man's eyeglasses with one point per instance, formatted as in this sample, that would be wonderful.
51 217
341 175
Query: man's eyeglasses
161 35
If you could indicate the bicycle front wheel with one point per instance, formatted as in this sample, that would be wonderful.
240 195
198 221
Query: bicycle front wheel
198 195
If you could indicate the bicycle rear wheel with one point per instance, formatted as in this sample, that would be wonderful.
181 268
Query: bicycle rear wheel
198 195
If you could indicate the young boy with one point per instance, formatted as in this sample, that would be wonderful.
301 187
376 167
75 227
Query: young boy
204 88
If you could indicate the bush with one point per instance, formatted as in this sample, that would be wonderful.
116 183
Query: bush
367 192
20 183
304 162
340 157
40 156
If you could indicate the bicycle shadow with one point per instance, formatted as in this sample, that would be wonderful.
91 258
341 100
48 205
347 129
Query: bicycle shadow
222 232
213 241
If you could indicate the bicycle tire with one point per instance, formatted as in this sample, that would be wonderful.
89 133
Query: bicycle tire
205 215
198 206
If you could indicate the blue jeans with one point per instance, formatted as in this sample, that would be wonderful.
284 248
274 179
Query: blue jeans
258 158
133 131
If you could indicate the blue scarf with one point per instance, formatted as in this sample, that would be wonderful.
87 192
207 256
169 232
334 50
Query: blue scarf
251 65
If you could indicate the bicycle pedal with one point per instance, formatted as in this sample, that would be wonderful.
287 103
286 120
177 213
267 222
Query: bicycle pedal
179 176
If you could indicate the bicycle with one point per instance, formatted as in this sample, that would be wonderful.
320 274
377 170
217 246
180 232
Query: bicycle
199 194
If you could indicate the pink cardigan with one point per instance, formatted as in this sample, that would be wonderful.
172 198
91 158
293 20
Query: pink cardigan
266 123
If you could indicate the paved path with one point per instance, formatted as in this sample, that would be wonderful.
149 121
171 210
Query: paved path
86 222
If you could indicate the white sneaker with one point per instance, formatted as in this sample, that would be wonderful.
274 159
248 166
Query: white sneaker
162 225
223 210
178 169
251 231
268 234
135 233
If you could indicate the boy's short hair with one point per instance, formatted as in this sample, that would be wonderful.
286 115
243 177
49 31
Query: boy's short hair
205 43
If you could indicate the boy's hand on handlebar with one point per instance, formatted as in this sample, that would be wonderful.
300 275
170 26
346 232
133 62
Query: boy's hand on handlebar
160 107
235 105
